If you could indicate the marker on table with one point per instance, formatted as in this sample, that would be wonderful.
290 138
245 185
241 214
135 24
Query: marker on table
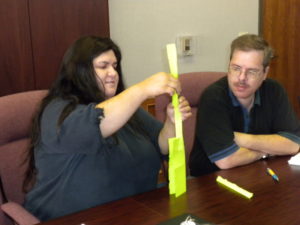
271 173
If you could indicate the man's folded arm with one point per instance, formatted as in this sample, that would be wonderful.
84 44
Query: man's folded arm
240 157
254 147
272 144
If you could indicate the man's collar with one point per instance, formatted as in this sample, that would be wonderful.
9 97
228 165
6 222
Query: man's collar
236 103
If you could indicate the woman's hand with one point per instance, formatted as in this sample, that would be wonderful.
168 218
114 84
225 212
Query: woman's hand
168 130
159 83
184 108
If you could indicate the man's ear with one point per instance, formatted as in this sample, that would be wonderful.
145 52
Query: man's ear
266 72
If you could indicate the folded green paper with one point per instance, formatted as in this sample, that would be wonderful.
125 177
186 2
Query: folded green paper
177 164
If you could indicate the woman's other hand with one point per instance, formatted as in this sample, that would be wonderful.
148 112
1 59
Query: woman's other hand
184 108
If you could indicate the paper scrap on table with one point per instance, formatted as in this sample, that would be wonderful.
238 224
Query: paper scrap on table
177 164
295 160
234 187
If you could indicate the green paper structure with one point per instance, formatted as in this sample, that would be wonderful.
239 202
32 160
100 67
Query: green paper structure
177 164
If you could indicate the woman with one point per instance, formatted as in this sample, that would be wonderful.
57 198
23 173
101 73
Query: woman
91 143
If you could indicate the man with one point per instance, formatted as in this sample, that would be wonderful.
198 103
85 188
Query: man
245 116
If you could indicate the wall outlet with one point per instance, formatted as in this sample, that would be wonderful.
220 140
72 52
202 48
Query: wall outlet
185 45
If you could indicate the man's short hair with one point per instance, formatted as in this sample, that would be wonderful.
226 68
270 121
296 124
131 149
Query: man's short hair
248 42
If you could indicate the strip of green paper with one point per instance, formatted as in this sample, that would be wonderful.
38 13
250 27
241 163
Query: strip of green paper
177 164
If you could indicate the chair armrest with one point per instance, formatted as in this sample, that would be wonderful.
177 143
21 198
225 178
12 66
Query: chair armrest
19 214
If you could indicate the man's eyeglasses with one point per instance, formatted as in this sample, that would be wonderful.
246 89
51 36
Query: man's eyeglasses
250 73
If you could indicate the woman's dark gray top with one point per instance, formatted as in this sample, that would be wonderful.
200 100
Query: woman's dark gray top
79 169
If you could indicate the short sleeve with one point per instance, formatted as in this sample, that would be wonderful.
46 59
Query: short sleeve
285 121
79 132
214 127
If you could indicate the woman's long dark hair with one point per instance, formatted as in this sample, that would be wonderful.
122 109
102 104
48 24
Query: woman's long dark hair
77 84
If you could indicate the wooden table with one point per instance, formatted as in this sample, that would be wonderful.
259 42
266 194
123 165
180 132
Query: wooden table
273 203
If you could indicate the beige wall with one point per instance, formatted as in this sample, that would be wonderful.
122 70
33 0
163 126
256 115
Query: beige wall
142 28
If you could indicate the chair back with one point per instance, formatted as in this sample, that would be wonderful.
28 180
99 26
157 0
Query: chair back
16 115
192 85
4 220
